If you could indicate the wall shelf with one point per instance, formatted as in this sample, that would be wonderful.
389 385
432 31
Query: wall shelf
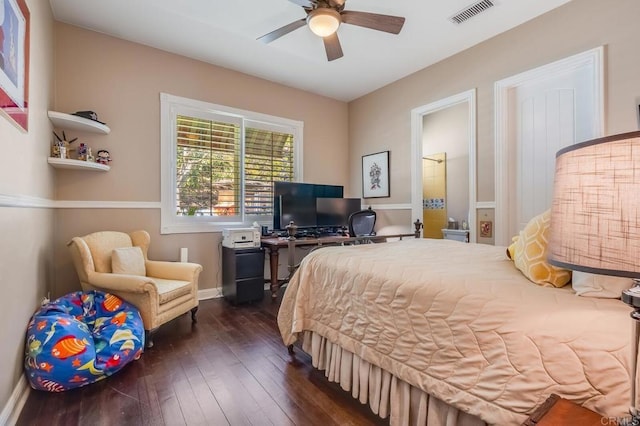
67 163
68 121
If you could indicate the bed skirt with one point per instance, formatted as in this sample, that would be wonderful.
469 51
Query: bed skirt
387 395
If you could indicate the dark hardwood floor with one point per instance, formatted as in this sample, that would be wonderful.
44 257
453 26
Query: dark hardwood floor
229 368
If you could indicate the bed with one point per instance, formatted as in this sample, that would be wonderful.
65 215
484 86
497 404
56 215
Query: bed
441 332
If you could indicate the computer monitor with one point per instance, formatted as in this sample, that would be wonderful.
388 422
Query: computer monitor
301 190
299 210
334 212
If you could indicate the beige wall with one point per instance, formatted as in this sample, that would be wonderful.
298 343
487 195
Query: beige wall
26 180
122 81
381 120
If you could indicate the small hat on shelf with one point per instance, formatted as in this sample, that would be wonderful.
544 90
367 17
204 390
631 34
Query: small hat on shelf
88 114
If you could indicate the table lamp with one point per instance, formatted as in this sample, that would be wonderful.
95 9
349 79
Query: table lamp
595 218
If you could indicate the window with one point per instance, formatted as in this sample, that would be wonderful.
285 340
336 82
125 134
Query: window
219 164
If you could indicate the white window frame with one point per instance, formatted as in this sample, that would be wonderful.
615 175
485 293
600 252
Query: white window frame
170 107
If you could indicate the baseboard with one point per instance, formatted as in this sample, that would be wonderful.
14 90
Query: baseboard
13 407
209 293
213 293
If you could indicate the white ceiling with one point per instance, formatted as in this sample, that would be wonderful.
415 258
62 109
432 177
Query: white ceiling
224 32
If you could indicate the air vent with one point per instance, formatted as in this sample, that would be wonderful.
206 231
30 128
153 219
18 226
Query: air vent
471 11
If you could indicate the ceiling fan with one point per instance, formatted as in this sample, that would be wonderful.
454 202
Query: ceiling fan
325 16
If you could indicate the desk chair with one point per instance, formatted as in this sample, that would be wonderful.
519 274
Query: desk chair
362 223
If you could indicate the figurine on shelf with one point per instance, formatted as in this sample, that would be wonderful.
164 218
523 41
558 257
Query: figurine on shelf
62 142
82 152
55 149
89 156
103 157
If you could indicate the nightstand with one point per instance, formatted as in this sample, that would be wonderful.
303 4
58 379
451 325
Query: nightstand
556 411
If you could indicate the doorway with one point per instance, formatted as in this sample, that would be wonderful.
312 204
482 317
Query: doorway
435 116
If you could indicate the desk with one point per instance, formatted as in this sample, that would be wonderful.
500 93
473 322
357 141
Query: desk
274 244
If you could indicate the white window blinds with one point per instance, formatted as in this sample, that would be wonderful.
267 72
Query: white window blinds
214 168
268 157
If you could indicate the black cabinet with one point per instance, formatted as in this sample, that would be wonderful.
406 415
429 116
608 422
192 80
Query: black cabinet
242 274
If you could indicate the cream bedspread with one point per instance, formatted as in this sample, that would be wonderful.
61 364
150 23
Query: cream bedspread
460 322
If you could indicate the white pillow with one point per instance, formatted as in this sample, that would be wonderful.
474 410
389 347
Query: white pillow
128 260
595 285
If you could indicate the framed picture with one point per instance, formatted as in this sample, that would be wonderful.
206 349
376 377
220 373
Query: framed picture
375 175
14 61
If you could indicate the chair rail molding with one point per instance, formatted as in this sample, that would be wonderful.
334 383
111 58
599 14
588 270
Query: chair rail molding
403 206
70 204
29 201
486 205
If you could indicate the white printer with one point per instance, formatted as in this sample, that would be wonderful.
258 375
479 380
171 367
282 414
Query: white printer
241 237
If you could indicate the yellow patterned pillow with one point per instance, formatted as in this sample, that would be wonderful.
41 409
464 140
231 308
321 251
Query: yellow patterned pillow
529 253
511 249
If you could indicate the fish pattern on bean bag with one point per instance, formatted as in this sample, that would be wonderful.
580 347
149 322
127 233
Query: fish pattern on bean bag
81 338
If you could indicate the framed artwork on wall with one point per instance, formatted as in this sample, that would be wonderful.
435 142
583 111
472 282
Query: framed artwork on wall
375 175
486 229
14 61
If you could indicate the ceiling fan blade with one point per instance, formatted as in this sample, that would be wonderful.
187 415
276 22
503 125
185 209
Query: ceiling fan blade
386 23
336 3
282 31
305 3
332 46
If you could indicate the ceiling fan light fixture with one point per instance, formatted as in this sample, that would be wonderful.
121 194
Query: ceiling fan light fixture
323 22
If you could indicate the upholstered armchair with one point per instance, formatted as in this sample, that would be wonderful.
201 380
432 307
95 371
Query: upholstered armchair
117 262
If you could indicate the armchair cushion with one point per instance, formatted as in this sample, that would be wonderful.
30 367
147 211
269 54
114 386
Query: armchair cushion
128 260
171 289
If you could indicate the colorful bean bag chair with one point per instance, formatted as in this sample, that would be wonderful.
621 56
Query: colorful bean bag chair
81 338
